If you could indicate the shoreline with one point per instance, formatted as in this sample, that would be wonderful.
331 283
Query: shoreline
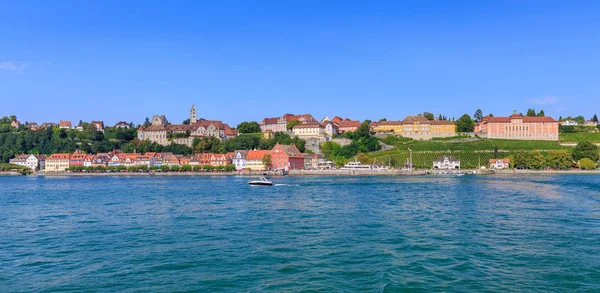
306 173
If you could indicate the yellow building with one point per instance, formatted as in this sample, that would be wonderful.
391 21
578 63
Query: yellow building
418 127
254 159
57 163
389 126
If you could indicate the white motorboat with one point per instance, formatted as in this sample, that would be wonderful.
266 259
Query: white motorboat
356 166
262 181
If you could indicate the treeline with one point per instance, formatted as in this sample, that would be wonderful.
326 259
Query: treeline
245 142
584 155
54 140
362 142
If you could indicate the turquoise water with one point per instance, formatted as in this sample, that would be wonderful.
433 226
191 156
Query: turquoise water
454 234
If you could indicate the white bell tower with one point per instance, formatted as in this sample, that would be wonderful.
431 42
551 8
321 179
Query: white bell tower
193 115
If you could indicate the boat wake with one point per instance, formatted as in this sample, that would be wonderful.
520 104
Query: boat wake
281 184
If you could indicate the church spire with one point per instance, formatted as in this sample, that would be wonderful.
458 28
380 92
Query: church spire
193 115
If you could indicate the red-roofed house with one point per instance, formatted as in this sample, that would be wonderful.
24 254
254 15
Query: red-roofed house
286 157
76 159
64 124
349 126
15 124
279 124
499 163
57 162
254 160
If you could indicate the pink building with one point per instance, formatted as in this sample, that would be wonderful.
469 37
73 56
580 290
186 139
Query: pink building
286 157
518 127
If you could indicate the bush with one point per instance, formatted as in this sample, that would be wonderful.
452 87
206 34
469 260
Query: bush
585 149
230 168
186 168
175 168
587 164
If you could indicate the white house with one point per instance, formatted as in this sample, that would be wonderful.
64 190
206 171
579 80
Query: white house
570 123
330 128
33 162
239 159
499 163
446 163
308 130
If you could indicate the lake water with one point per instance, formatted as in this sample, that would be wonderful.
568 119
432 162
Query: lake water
320 234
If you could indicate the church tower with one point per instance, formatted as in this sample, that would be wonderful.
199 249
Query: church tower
193 115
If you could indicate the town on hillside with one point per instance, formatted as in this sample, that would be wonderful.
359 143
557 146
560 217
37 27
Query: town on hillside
301 142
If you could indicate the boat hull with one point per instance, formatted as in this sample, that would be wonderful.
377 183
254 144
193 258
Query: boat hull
260 183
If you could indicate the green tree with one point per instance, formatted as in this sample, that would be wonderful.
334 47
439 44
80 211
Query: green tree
186 168
541 113
174 168
248 127
595 118
587 164
147 122
164 168
429 115
292 123
478 115
559 160
531 112
585 149
464 124
266 160
186 122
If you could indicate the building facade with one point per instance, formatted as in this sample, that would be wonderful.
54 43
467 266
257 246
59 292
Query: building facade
279 124
518 127
286 157
239 159
499 163
57 162
446 163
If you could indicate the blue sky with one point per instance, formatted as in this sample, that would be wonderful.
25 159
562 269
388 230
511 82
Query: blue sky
246 60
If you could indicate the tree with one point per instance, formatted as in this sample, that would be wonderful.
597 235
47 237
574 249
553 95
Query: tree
595 118
292 123
491 115
147 122
541 113
580 119
363 158
559 159
266 160
248 127
186 121
464 124
164 168
429 115
478 115
186 168
585 149
587 164
531 112
440 117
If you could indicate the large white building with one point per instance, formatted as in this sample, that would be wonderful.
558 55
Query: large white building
446 163
33 162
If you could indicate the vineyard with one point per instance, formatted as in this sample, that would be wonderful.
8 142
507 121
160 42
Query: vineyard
478 145
579 137
424 159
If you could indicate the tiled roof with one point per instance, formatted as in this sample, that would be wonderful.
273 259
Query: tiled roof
64 123
244 153
290 149
58 157
413 119
308 125
526 119
350 123
257 154
441 122
390 123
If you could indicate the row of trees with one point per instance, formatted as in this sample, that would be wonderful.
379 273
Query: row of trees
585 155
245 142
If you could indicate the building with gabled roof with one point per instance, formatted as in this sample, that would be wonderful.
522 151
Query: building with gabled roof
286 157
57 162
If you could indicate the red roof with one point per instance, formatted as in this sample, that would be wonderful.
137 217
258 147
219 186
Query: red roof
257 154
526 119
58 157
350 123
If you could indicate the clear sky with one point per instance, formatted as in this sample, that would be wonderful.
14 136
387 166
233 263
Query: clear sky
246 60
